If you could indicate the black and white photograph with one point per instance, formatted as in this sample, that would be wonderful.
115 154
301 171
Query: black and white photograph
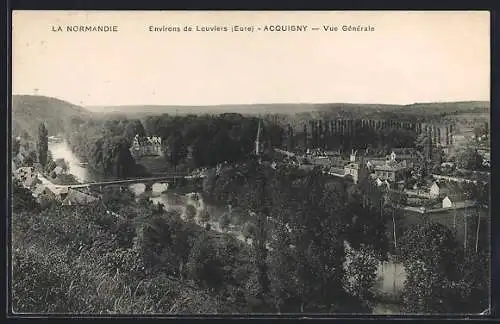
174 163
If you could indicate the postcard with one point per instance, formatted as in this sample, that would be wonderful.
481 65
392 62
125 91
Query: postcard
174 163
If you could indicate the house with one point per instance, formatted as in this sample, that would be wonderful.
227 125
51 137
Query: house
352 158
457 201
383 183
439 189
315 152
62 193
75 197
143 146
391 171
58 170
333 154
321 161
352 169
42 191
27 176
335 170
374 162
486 155
356 170
410 155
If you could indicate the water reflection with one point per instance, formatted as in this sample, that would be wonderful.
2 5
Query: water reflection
63 151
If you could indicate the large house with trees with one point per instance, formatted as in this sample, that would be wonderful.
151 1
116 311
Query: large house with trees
144 146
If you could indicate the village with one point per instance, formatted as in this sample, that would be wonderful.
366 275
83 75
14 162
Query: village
400 171
428 183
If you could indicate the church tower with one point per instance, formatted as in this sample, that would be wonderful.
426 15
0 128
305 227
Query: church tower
257 141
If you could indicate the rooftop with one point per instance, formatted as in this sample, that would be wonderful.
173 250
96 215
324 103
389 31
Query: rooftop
78 198
391 166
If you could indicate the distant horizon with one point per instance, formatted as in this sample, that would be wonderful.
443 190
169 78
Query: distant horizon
251 104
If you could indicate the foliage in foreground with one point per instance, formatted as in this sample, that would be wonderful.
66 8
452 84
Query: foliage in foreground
146 260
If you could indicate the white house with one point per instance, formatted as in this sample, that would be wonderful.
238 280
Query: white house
434 190
353 156
457 201
142 146
352 169
439 190
447 202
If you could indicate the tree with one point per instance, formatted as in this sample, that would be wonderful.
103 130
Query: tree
365 220
133 128
190 213
63 164
430 253
115 198
307 243
175 148
42 144
205 216
249 230
224 221
51 165
16 146
392 202
22 199
468 158
204 266
117 161
474 283
361 273
30 159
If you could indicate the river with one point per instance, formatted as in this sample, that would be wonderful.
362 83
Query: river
390 276
62 150
160 193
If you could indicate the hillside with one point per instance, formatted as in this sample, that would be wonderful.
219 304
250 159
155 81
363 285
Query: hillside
306 110
28 111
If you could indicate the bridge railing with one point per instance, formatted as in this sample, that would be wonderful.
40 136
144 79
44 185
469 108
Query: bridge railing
131 180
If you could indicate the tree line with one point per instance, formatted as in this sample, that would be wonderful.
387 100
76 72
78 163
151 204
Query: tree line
311 215
143 259
348 134
188 141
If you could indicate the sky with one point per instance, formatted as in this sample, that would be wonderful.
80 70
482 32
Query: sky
410 57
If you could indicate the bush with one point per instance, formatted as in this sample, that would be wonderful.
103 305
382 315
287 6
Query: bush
190 213
224 221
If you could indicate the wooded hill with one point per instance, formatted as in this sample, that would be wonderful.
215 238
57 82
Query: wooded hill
29 111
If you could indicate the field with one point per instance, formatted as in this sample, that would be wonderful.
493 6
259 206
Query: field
155 164
454 220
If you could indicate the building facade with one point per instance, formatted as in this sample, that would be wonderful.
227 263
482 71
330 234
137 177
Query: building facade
391 172
146 146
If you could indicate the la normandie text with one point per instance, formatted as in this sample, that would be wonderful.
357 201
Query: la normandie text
86 28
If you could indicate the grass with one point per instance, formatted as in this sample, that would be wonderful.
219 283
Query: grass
155 164
46 281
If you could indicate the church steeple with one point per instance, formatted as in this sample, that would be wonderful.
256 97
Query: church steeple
257 141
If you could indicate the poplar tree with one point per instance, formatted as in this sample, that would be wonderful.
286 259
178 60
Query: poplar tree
42 144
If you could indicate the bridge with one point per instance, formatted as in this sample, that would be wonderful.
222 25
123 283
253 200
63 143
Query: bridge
148 182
